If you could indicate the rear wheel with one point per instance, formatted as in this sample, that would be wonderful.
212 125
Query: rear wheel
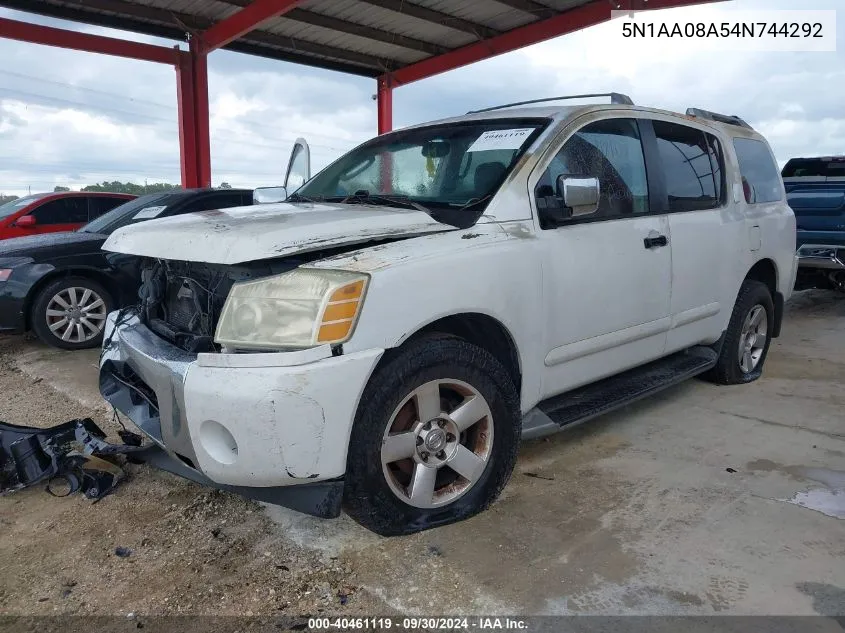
747 338
70 313
434 439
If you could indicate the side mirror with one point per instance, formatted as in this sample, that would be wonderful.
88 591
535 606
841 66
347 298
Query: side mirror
265 195
581 195
26 221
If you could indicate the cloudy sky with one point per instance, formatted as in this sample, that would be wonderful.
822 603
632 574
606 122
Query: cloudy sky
70 118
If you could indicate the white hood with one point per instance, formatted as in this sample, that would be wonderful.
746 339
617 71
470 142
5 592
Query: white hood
243 234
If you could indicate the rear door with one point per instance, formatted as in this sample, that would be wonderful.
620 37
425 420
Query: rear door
703 235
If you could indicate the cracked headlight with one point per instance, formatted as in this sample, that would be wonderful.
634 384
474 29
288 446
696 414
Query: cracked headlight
301 308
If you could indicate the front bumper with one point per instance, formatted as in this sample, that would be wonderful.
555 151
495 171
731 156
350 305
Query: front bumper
12 319
238 421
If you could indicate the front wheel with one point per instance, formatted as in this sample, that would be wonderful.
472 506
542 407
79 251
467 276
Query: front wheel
434 440
70 313
747 338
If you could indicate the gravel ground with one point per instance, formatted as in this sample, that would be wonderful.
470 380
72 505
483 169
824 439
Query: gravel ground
193 550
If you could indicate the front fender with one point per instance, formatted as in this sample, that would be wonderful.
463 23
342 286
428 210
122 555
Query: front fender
482 270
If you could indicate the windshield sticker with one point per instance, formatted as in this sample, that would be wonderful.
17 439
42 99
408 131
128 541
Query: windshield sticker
500 139
148 212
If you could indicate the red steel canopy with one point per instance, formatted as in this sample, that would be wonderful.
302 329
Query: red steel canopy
393 41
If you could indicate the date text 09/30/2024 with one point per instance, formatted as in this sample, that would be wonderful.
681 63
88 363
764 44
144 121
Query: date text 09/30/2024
417 623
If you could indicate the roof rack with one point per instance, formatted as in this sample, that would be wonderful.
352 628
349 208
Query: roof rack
615 97
715 116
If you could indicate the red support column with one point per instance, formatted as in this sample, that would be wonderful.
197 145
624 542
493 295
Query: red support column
187 121
384 96
194 138
199 59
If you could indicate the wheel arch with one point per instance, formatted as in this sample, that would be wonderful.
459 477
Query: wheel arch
477 328
766 272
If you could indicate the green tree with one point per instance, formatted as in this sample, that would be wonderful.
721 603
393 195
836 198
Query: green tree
130 187
59 189
225 185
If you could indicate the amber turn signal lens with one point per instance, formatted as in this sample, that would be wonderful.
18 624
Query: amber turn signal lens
340 312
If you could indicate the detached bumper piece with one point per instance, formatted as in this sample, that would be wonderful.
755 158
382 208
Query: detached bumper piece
69 457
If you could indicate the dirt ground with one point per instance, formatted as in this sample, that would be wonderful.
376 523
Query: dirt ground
701 500
193 550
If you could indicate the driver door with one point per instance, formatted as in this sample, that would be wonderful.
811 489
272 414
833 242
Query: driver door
606 275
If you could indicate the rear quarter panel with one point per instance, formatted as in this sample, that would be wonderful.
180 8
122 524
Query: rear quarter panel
770 226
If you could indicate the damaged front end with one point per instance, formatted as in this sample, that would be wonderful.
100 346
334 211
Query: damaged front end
181 301
68 457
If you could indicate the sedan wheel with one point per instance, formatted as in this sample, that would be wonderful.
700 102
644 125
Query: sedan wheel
76 315
71 312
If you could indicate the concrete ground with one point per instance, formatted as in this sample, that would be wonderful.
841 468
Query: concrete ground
702 500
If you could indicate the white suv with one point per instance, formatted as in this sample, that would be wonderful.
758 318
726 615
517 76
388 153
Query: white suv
381 340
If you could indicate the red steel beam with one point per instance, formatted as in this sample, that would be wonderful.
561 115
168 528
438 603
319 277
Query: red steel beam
62 38
384 96
575 19
244 21
199 61
187 121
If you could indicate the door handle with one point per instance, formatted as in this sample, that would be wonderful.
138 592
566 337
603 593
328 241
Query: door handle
655 242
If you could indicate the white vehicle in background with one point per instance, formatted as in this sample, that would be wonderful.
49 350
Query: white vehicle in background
381 340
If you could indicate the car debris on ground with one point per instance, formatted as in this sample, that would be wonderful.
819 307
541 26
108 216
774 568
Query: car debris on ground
70 457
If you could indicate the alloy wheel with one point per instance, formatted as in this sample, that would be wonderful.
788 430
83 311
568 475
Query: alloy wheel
76 315
437 443
752 338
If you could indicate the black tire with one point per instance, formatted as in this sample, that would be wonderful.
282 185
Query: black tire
368 498
38 314
728 370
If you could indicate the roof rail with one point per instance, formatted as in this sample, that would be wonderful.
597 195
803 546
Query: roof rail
615 97
715 116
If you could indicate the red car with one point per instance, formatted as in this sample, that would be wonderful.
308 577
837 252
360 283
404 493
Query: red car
52 212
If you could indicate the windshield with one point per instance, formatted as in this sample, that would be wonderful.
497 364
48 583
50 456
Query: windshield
16 205
144 208
450 171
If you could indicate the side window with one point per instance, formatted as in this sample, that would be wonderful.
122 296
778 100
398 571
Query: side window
611 151
717 163
687 157
99 205
207 203
63 211
760 176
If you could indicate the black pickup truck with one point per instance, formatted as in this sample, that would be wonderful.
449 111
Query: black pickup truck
815 189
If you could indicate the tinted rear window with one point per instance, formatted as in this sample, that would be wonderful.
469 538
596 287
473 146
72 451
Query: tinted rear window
691 166
761 180
815 168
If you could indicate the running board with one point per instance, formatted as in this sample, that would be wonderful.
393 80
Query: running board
601 397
